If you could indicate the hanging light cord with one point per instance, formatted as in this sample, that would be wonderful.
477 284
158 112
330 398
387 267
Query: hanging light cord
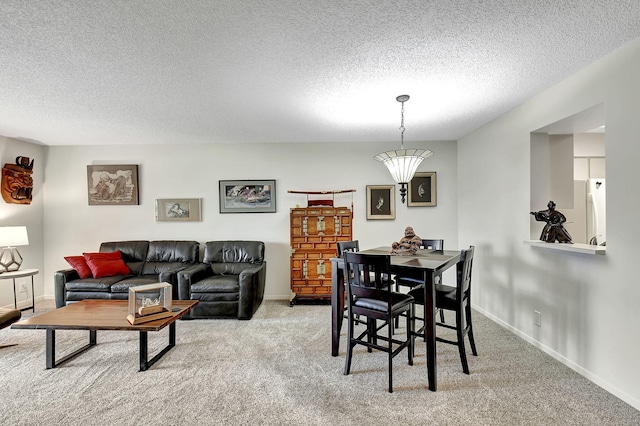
402 99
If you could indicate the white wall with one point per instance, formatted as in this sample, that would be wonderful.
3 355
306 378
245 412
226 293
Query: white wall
30 215
589 304
192 171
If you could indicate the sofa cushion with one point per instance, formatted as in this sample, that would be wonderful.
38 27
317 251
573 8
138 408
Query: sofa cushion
173 251
106 264
93 284
229 268
76 296
158 268
233 252
80 265
216 288
164 256
123 285
134 253
217 284
216 297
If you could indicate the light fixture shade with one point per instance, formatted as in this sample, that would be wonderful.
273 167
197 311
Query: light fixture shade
403 163
13 236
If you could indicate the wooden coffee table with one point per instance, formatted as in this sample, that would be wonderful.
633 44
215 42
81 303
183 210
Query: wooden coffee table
93 315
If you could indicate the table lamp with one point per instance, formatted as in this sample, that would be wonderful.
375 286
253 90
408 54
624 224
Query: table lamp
10 237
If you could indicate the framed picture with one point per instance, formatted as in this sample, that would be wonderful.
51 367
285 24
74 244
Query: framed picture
422 190
247 196
178 210
381 202
113 185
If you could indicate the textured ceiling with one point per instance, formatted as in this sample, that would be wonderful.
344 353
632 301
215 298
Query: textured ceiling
81 72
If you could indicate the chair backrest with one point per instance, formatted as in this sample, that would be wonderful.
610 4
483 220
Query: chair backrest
344 246
433 244
365 275
464 266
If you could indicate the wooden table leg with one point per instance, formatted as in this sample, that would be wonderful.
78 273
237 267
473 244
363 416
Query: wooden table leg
337 305
430 329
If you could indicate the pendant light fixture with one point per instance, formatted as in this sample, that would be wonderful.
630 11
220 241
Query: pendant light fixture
403 163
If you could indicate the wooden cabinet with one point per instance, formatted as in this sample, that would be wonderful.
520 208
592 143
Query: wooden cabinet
314 234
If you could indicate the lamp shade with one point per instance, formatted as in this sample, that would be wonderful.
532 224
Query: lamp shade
13 236
403 163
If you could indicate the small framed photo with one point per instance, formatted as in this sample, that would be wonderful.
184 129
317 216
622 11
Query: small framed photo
113 185
422 190
178 210
247 196
381 202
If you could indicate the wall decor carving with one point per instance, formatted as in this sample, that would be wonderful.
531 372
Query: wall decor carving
17 183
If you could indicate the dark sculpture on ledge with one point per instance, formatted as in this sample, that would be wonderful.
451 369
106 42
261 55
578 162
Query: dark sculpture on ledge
554 230
408 245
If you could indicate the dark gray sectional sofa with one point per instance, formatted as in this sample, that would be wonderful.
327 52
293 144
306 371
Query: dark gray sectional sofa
229 282
148 261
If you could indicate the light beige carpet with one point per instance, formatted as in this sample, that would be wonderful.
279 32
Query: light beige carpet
277 369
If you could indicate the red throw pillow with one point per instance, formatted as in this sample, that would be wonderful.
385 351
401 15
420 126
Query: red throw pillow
106 264
80 265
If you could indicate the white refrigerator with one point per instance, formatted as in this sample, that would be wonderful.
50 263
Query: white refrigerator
596 211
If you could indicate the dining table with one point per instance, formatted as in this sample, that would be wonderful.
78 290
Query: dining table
430 263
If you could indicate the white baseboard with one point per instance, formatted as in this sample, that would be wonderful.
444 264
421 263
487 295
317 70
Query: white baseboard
25 303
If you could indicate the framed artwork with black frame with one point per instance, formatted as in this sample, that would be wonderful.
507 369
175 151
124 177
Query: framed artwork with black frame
113 185
247 196
422 190
178 210
381 202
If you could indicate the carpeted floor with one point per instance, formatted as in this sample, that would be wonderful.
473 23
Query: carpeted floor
277 369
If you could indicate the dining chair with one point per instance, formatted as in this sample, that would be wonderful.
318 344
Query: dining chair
370 296
458 300
412 279
353 246
406 278
343 247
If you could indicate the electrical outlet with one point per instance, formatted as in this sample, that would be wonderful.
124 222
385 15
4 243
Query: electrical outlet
537 318
23 288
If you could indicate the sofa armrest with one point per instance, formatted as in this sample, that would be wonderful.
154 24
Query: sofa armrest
252 283
60 280
190 275
171 276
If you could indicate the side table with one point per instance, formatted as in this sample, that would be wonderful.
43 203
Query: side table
20 273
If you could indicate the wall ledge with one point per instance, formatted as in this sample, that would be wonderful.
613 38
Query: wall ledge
574 248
